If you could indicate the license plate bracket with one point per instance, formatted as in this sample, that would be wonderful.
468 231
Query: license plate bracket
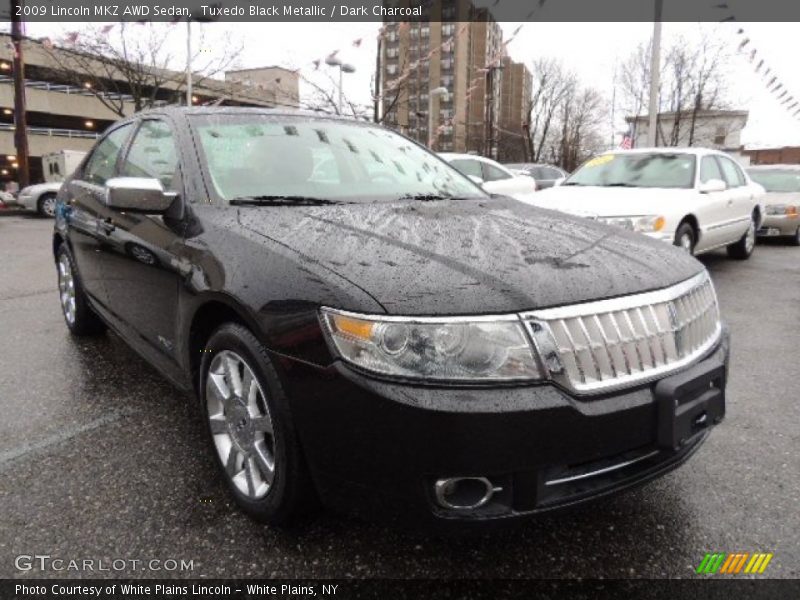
689 402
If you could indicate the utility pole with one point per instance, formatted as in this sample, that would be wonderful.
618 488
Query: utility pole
20 123
655 68
189 61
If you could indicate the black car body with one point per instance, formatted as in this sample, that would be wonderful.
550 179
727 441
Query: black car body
545 175
292 284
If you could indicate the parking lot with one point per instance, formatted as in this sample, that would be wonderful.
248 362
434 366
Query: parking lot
101 459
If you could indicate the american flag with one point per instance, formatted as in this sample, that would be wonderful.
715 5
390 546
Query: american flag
626 143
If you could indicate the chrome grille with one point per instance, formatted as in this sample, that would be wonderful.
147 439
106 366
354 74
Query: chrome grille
614 343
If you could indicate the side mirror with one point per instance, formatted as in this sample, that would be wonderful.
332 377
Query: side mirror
138 194
476 179
712 185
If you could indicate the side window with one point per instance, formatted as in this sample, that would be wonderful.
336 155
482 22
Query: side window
492 173
468 167
733 175
709 169
100 166
153 154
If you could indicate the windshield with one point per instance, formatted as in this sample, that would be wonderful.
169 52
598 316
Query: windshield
267 158
777 180
640 169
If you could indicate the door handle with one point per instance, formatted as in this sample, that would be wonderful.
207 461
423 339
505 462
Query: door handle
730 202
106 226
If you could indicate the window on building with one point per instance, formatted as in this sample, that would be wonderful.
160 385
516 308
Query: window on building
153 154
448 28
103 161
720 136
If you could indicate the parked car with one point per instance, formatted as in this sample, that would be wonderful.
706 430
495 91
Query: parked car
385 337
6 199
695 198
40 197
782 210
546 176
492 176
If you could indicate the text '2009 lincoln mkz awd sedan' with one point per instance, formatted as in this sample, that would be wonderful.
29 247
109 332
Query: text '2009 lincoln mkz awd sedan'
362 324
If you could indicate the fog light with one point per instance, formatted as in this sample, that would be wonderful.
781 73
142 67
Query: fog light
464 493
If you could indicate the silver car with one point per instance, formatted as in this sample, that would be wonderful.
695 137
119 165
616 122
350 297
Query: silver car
782 183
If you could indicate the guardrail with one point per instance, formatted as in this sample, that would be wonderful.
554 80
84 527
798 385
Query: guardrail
54 132
66 89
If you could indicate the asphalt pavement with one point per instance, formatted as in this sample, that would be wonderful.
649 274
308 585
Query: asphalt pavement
101 459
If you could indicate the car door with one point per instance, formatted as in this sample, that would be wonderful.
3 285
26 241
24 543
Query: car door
740 199
86 211
712 209
500 181
142 274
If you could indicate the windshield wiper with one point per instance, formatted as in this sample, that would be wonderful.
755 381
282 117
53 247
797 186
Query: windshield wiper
281 201
425 197
619 184
570 183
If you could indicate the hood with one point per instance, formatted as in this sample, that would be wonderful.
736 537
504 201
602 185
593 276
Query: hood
42 187
781 198
607 201
471 256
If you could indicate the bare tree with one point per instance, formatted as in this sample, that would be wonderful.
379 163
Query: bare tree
128 65
552 84
581 113
693 80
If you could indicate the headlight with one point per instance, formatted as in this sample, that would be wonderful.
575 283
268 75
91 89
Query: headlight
432 348
646 224
781 209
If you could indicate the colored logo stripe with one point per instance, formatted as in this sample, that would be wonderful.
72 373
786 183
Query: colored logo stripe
732 564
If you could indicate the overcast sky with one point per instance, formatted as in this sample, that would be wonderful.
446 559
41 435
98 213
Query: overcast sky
589 49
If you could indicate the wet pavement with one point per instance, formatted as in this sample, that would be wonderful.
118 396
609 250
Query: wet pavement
101 459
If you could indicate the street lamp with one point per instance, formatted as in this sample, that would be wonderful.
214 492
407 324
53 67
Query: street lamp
434 93
335 61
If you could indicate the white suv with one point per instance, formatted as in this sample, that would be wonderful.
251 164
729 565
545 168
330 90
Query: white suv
695 198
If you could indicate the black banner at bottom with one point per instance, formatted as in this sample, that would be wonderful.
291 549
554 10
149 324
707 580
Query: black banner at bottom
722 588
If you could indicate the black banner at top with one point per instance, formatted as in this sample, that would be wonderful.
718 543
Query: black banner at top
401 10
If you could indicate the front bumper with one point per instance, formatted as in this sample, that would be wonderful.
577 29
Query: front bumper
376 448
778 225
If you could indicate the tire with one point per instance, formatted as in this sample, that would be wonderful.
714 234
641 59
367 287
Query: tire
78 314
252 429
795 239
46 206
743 249
685 237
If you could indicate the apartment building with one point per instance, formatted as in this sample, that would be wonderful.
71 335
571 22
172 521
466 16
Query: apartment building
460 49
62 114
515 97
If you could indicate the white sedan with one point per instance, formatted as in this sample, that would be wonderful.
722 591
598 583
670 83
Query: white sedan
695 198
492 176
40 197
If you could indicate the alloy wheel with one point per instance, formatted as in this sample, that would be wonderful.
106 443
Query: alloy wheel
66 288
240 424
49 206
686 242
750 238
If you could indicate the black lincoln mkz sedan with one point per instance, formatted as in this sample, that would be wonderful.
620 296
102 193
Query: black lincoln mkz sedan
362 324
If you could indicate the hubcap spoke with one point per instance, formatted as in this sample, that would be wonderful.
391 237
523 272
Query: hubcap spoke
240 424
218 425
263 424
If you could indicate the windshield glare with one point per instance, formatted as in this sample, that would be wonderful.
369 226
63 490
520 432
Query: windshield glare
777 180
253 156
649 170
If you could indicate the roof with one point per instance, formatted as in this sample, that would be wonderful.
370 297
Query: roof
773 167
667 150
175 109
701 114
262 69
460 156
